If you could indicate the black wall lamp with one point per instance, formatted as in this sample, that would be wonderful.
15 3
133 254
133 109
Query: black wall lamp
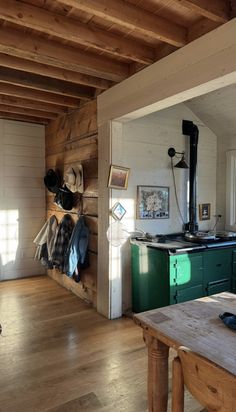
181 164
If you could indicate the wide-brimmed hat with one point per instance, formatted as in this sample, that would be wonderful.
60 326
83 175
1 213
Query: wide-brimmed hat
52 180
74 178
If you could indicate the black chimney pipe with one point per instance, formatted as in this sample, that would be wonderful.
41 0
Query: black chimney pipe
191 130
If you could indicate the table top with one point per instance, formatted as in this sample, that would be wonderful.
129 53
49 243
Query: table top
196 324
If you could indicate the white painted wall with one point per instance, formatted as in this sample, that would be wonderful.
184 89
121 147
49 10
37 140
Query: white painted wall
22 197
142 146
225 144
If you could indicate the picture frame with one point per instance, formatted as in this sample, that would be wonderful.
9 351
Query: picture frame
153 202
118 177
118 211
204 211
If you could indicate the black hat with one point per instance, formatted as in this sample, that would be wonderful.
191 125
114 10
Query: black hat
52 180
64 198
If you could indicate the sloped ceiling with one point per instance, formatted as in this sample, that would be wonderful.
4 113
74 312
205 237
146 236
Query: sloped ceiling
217 110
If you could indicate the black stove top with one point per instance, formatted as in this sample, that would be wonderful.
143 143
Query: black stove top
178 242
209 240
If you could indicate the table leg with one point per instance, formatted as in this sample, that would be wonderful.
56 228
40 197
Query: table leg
158 354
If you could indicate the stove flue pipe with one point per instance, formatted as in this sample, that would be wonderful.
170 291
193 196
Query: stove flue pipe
191 130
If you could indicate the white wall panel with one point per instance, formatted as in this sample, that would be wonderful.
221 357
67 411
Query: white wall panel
20 150
23 171
30 141
142 146
22 201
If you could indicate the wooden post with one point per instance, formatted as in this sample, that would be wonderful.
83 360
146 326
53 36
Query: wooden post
158 354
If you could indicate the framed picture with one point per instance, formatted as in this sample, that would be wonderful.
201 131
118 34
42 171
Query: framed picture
118 211
205 211
152 202
118 177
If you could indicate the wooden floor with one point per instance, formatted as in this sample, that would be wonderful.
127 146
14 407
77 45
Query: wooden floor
58 355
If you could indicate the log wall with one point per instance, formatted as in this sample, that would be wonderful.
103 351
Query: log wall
72 139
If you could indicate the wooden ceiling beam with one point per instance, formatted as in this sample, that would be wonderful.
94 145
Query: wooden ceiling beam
27 112
67 29
232 8
133 18
200 28
31 104
52 53
22 92
217 10
164 50
23 118
31 81
54 72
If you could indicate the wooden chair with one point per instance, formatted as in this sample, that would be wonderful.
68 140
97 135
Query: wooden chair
213 387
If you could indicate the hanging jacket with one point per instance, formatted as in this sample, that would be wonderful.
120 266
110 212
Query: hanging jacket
45 240
64 232
76 252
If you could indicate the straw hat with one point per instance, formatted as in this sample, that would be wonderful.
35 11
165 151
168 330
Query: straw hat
73 178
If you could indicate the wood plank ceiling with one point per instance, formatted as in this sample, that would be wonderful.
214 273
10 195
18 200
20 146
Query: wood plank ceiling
56 53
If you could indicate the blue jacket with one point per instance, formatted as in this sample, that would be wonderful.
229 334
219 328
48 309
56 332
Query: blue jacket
77 248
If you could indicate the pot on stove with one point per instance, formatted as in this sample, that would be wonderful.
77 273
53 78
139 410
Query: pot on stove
200 236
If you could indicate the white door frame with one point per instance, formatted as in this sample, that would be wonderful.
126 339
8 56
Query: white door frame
205 65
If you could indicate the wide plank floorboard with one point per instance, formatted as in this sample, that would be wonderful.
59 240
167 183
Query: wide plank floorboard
58 355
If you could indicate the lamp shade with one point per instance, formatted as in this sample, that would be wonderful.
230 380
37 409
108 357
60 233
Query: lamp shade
182 164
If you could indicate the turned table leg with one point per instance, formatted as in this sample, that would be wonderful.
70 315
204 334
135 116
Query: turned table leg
158 354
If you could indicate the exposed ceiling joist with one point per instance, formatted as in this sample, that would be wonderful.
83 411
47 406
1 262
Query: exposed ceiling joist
31 81
217 10
41 50
27 112
23 118
55 72
67 29
55 53
200 28
31 104
133 17
233 8
22 92
164 50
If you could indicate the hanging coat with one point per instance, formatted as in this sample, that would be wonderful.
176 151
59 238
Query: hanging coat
45 240
64 232
77 248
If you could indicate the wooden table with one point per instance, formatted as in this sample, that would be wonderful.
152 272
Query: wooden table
194 324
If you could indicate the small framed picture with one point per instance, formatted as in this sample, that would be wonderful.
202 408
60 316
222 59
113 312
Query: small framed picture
118 177
152 202
118 211
205 211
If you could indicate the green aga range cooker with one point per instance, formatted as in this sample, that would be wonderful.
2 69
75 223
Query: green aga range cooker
178 270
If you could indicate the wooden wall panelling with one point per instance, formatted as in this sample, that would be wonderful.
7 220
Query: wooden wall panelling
70 139
74 126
